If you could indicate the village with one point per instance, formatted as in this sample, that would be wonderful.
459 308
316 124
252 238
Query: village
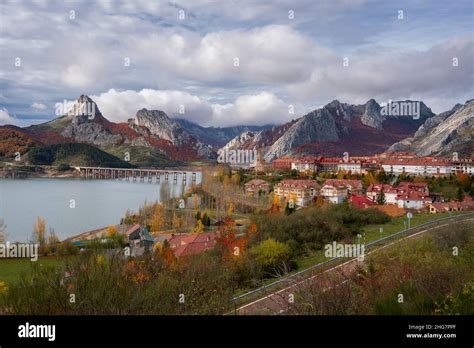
394 185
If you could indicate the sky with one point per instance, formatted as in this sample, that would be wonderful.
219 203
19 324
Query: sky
231 62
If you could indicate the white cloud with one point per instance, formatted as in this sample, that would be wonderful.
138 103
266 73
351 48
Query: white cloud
38 106
262 108
6 118
292 61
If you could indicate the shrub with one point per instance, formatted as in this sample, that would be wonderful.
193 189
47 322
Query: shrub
63 167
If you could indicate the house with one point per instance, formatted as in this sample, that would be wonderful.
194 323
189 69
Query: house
192 244
305 164
413 186
353 186
140 238
328 164
302 191
441 207
390 193
352 166
334 193
413 200
256 186
282 163
337 190
427 166
361 201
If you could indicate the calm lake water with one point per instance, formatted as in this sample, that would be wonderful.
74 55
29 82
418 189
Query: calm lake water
98 203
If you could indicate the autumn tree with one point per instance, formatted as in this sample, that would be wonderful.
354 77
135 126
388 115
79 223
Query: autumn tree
199 227
177 222
157 219
3 232
226 239
369 179
111 231
39 234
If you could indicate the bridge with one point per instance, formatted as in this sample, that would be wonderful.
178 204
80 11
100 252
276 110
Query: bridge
139 174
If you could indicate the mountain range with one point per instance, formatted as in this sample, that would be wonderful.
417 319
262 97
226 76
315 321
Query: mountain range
336 128
151 138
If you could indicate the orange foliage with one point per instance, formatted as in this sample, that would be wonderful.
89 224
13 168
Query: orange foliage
12 141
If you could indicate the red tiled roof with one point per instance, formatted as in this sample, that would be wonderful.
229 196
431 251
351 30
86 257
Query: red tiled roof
344 182
133 229
361 201
308 183
414 196
257 182
184 245
378 187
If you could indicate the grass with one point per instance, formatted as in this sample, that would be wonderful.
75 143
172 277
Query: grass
12 269
372 233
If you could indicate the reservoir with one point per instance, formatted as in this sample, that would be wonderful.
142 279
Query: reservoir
97 203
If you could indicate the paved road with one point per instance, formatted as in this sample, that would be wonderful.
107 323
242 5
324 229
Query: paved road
277 302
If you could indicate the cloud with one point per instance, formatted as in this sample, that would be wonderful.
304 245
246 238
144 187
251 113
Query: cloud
193 61
6 118
38 106
385 74
262 108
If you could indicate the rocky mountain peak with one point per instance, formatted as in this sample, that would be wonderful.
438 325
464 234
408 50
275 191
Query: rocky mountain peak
85 110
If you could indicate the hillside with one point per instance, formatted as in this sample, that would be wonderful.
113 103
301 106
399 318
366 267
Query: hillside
153 129
13 140
337 128
74 154
448 132
217 136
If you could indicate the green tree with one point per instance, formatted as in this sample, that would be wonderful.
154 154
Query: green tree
271 254
381 198
382 176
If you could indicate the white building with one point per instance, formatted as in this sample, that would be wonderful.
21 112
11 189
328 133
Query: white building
413 200
305 165
337 190
353 167
428 166
390 193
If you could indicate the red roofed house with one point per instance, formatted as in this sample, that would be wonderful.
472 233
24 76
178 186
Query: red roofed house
282 163
390 193
361 201
303 191
413 200
442 207
413 186
305 164
255 186
192 244
337 190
